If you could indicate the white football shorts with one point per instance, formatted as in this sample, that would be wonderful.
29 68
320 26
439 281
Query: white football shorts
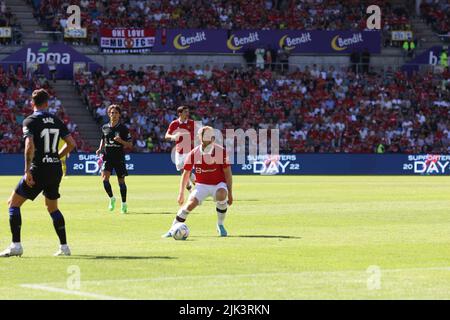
203 191
180 158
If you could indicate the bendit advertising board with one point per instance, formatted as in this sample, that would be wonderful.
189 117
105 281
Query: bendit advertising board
297 41
238 41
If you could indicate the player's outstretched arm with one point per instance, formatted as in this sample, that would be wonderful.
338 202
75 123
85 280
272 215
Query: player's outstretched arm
172 137
68 147
229 182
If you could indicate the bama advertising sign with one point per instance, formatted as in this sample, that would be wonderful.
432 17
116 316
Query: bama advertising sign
428 57
297 41
291 164
37 54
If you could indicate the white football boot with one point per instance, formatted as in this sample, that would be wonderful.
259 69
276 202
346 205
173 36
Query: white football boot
168 234
14 249
64 250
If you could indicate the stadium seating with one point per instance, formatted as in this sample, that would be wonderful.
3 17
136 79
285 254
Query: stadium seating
213 14
437 14
316 109
8 19
16 87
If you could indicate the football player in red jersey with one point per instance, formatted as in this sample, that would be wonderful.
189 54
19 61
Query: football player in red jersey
212 177
181 131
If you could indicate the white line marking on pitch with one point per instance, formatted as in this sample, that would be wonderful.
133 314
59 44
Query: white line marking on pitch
71 292
250 275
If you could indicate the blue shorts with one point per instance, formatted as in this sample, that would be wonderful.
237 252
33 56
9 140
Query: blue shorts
118 166
48 184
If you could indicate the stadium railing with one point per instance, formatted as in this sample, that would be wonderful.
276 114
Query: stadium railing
279 67
15 64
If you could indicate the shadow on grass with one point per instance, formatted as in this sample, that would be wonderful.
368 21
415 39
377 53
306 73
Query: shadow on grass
165 212
258 236
262 236
236 200
97 257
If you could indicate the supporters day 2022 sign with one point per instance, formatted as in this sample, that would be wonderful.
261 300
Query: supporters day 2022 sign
125 40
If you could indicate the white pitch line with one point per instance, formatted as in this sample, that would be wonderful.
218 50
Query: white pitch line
417 269
250 275
254 275
70 292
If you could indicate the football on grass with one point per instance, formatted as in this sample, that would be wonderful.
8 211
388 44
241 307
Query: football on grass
181 231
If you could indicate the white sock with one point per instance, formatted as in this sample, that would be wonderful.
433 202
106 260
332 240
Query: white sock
182 213
220 218
222 206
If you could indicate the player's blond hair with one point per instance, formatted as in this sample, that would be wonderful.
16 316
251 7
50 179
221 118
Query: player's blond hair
205 129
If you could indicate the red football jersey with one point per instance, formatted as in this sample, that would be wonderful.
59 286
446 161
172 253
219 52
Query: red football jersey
188 125
208 167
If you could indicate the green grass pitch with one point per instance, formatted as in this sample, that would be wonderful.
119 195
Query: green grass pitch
294 237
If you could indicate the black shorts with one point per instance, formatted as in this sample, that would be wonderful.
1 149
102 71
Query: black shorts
45 181
119 166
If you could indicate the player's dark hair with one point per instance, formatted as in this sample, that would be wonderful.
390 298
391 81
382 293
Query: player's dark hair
114 107
181 109
40 97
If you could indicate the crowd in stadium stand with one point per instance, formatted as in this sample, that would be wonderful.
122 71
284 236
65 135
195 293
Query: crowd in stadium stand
212 14
316 109
8 19
16 87
437 15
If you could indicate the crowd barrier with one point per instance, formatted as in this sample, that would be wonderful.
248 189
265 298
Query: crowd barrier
286 164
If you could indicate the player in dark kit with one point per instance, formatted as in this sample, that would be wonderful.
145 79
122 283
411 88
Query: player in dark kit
115 136
43 171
